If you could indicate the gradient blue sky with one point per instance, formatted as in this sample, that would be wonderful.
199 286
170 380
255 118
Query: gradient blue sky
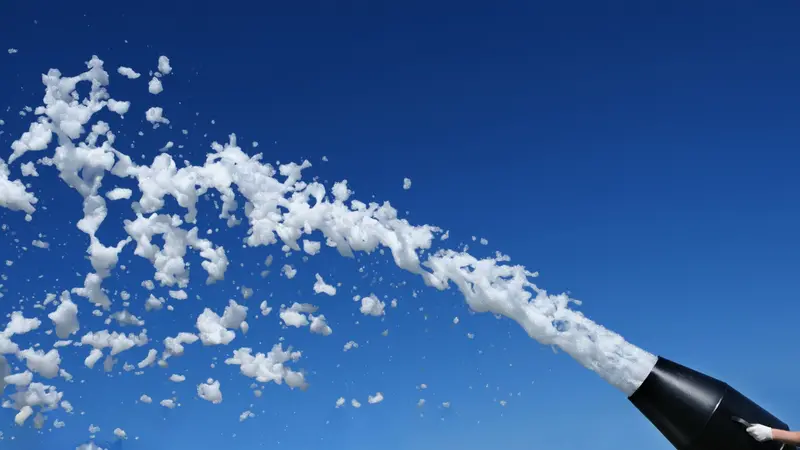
642 158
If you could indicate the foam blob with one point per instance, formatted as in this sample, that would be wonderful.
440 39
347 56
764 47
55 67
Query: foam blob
210 391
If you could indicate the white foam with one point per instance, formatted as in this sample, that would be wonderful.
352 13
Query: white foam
20 379
210 391
127 72
373 399
175 378
155 115
163 65
371 306
119 194
13 194
280 207
271 367
155 87
319 325
45 364
320 287
65 317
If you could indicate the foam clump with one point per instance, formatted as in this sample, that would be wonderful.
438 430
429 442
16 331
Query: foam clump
13 194
210 391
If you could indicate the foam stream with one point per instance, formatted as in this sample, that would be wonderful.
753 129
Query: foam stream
279 207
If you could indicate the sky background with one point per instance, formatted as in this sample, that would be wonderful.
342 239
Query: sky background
641 157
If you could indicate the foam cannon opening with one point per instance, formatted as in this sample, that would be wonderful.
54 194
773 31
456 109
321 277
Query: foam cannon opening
696 412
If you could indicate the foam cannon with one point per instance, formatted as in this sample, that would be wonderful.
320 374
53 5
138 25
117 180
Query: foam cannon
697 412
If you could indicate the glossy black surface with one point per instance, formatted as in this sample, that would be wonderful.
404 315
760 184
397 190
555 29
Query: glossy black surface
695 411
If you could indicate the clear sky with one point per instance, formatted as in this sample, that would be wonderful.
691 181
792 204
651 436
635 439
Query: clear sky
643 159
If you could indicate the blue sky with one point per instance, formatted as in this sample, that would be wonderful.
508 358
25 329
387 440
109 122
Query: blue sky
643 159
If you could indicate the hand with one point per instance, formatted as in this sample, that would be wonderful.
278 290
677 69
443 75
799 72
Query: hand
760 432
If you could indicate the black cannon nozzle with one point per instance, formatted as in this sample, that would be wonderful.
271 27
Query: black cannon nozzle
697 412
